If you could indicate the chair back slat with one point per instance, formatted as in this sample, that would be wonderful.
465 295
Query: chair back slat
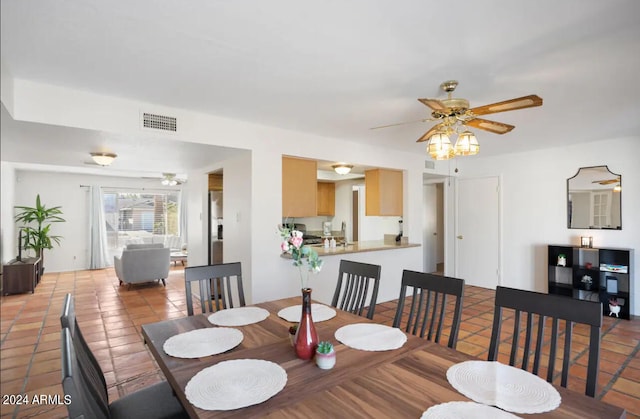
562 312
429 303
433 316
516 337
354 290
567 353
539 340
553 350
421 314
527 342
217 286
441 319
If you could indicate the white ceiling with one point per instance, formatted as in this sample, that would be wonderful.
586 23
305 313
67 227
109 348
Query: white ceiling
338 68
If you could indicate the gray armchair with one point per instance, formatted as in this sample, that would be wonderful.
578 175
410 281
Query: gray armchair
142 263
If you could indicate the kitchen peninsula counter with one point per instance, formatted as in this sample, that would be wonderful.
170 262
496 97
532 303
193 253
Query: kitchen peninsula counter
357 247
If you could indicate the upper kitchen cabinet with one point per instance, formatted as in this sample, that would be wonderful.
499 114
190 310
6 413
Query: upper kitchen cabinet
215 182
383 191
299 187
327 198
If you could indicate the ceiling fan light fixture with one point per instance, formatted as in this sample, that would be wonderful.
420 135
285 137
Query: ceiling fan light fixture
617 188
467 144
439 147
169 179
103 159
342 169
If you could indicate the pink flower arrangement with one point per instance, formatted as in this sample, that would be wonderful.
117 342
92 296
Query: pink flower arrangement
292 244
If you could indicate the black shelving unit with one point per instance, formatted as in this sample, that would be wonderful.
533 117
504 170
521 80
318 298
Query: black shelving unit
593 274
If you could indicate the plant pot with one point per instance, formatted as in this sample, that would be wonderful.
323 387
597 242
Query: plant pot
614 310
326 361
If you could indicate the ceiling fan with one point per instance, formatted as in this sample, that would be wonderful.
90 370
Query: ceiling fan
454 117
607 181
170 179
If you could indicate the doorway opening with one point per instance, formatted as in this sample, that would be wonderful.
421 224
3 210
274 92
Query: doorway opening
215 218
434 225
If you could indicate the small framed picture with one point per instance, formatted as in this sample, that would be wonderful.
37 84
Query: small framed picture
612 285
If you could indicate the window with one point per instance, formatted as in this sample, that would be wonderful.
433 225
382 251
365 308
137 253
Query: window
141 217
600 209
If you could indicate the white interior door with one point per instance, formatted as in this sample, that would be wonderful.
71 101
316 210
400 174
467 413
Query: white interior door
430 201
478 231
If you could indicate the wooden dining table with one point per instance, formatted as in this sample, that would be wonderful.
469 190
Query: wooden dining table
400 383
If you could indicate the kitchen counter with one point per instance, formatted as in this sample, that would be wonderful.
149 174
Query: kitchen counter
357 247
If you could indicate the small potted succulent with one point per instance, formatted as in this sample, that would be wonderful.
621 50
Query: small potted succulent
614 308
292 334
325 356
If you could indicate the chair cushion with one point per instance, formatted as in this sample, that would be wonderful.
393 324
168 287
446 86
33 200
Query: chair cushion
154 402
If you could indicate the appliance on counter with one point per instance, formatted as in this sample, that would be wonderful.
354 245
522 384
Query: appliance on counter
307 238
326 228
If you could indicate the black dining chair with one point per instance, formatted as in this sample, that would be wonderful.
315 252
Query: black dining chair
85 387
357 287
430 305
216 284
547 308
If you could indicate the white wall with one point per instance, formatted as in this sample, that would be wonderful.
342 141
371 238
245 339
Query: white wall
534 210
63 189
8 233
271 277
59 189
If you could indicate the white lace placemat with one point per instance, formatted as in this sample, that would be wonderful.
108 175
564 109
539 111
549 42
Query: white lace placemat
506 387
240 316
202 342
371 337
319 313
235 384
465 410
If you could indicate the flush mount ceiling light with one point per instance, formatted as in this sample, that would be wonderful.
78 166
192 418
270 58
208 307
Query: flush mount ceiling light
342 169
103 159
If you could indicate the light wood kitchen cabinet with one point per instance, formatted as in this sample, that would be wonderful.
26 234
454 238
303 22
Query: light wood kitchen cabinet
383 191
215 182
326 198
299 187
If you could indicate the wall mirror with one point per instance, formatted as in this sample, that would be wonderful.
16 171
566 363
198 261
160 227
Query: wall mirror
593 199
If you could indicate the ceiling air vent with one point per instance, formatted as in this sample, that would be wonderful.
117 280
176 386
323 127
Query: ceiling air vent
161 122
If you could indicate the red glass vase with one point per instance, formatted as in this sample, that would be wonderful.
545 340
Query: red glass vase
306 337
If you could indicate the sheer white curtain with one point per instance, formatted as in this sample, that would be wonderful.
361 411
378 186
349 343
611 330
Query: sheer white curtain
182 213
99 254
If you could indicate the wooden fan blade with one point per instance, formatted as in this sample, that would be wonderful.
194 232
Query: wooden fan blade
429 133
508 105
606 182
402 123
491 126
434 104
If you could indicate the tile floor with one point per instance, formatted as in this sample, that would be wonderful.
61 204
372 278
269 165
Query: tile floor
110 317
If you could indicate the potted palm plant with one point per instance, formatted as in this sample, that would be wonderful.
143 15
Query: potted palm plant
36 228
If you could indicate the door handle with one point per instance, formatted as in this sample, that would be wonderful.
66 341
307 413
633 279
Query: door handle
460 237
435 234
